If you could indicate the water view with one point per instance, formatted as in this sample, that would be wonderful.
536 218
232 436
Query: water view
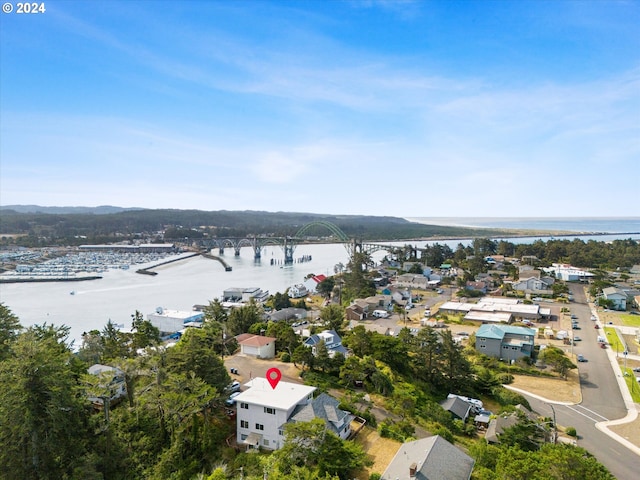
180 285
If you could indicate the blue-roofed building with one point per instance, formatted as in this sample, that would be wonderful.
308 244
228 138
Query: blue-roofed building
505 342
331 339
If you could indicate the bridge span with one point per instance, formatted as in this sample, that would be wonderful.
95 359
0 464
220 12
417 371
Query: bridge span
289 244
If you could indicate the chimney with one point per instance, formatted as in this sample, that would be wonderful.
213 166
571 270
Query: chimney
412 470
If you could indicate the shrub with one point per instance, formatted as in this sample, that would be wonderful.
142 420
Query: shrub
375 476
445 433
571 431
285 357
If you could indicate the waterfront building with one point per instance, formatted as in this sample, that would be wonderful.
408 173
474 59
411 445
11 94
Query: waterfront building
171 321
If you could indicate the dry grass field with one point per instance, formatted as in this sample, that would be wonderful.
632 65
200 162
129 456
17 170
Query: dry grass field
380 450
551 388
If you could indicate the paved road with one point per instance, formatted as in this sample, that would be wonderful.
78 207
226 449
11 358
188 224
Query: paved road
601 398
621 462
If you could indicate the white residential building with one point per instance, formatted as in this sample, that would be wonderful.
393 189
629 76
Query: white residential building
298 291
262 411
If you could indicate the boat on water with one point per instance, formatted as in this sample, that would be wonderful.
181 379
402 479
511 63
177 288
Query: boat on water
72 292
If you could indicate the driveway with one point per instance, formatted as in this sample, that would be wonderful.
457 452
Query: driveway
250 367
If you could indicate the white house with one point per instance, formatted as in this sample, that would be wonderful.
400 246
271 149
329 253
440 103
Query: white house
257 345
312 282
533 284
113 381
617 297
262 411
298 291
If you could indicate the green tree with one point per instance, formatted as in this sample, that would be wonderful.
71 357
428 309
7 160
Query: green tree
9 329
456 368
303 356
356 284
144 333
426 356
241 319
325 287
333 318
41 403
312 445
359 340
559 362
215 312
286 338
194 353
116 344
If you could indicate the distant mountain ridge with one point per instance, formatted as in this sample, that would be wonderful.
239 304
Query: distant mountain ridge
99 210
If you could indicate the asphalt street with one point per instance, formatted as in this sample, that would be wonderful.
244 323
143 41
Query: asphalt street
601 398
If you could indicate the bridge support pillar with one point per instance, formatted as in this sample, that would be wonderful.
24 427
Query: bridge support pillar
257 252
288 251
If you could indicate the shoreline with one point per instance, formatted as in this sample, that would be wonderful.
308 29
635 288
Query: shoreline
50 279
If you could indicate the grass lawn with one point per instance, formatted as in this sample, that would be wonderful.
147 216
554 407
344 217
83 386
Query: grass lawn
614 340
629 320
632 383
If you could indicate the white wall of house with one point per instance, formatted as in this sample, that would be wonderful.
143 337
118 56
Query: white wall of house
262 410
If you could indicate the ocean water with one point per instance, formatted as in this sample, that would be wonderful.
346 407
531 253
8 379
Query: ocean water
558 224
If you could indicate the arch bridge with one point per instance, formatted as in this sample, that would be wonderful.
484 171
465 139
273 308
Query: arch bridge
290 243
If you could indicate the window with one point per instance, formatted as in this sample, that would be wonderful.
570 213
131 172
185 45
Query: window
281 432
265 442
259 426
483 346
244 424
243 437
270 410
245 406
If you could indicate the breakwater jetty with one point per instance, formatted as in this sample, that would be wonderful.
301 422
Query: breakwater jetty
227 267
149 270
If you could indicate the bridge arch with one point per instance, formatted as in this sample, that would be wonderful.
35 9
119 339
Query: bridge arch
321 223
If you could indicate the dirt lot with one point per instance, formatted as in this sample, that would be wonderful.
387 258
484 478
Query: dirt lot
380 450
629 431
551 388
250 367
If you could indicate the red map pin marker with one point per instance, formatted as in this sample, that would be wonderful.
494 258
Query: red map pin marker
273 377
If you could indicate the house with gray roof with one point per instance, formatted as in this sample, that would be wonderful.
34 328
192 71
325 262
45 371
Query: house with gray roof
617 296
431 458
505 342
457 407
326 408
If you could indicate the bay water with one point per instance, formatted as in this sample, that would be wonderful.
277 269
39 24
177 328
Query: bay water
183 284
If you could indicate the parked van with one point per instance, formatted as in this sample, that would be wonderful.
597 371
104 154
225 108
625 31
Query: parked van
380 313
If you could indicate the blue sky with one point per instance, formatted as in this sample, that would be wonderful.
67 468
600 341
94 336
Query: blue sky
377 107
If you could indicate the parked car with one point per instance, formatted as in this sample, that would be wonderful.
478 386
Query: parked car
637 369
232 399
574 316
581 358
576 339
233 387
576 327
596 326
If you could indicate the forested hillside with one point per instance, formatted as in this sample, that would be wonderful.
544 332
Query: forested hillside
66 228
